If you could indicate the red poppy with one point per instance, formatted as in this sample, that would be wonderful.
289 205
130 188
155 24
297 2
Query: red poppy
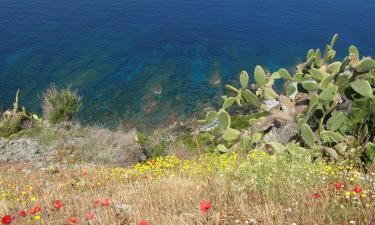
22 213
339 185
316 195
143 222
204 206
96 201
145 177
57 204
357 189
7 219
73 219
90 216
105 202
34 209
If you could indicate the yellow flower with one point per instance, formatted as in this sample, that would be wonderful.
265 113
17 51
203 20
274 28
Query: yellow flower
37 217
347 193
33 199
328 168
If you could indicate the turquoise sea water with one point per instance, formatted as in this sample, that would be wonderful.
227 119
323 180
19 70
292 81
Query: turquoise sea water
145 62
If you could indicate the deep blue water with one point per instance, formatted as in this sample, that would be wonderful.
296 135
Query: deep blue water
117 53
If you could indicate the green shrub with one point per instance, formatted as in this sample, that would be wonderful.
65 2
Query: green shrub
150 147
10 127
60 105
14 120
156 150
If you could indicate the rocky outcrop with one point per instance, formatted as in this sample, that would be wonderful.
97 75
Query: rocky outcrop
61 144
21 149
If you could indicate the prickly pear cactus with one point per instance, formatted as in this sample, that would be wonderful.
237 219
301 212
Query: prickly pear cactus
322 97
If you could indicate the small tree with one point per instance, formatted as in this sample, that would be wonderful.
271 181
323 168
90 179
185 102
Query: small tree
60 105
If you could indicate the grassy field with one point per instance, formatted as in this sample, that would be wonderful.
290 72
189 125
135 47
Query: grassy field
212 189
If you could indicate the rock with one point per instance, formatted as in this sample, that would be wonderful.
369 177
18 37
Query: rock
109 147
36 150
22 149
282 134
3 143
125 207
271 103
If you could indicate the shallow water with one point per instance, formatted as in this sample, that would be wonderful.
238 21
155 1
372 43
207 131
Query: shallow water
146 62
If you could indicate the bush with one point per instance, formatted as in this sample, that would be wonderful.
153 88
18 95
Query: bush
10 127
60 105
14 120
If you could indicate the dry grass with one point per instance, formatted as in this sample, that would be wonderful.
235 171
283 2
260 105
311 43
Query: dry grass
174 198
115 148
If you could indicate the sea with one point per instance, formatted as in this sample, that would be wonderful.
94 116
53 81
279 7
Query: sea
146 63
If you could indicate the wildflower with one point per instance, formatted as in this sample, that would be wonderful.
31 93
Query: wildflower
7 219
37 217
73 219
90 216
96 201
316 195
22 213
34 209
357 189
204 206
339 185
57 204
328 168
143 222
105 202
